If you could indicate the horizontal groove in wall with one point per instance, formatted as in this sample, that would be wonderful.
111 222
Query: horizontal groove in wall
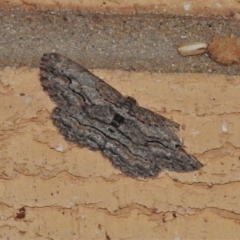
128 42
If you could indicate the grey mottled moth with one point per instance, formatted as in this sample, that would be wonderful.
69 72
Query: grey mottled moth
91 113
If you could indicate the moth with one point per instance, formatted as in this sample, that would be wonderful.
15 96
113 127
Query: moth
93 114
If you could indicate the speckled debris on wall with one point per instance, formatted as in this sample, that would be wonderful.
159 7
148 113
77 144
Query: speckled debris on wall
52 189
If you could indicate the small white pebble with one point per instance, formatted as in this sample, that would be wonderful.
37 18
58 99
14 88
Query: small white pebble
28 100
195 132
59 148
192 48
224 128
187 6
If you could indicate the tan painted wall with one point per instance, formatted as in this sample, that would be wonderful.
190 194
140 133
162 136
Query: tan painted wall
188 7
74 193
69 192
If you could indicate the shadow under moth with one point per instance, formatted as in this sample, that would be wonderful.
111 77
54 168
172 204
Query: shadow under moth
91 113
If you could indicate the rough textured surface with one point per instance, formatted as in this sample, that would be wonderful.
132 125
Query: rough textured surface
140 42
91 113
73 193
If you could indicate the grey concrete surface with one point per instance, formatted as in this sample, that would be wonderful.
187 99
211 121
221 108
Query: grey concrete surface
138 43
